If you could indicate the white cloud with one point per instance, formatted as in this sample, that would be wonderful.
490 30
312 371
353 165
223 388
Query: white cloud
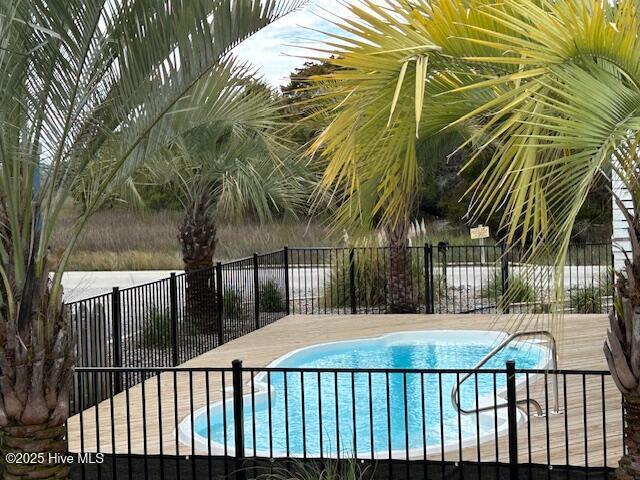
276 49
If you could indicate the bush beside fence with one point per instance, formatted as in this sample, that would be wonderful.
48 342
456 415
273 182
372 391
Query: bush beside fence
153 325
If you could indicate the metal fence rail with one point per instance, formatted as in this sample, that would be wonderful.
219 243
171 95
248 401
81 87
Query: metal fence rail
237 422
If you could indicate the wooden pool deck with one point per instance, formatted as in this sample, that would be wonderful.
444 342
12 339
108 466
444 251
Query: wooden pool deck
580 342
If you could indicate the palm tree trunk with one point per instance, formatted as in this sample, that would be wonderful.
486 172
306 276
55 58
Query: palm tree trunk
37 359
197 236
32 440
622 350
629 466
622 347
401 288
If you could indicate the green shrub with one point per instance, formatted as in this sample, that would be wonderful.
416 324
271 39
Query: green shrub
493 288
232 306
588 299
370 282
606 281
270 297
518 290
156 328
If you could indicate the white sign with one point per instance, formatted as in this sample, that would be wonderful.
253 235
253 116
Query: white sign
479 232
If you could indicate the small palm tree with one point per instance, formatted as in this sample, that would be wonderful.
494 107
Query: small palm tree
74 76
550 87
229 170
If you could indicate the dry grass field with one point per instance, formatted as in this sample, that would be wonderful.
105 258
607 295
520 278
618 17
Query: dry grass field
120 239
117 239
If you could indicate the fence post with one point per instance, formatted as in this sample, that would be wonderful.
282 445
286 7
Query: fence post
433 284
256 292
611 276
504 267
512 420
238 417
116 331
219 304
352 281
428 283
287 298
173 299
442 249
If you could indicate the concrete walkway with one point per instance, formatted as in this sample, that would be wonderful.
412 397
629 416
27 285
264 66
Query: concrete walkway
79 285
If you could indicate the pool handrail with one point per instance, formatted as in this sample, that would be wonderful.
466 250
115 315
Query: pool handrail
455 397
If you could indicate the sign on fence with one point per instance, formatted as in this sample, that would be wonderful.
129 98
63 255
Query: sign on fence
478 232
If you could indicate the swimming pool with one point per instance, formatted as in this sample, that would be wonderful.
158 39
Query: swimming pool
377 414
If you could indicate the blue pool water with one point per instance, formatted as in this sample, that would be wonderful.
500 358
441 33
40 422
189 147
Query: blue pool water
399 413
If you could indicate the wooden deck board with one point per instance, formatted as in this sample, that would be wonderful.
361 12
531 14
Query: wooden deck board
580 348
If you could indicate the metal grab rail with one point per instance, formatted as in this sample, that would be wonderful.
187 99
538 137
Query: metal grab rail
455 397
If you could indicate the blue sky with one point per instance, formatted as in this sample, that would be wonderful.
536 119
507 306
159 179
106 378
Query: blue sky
275 49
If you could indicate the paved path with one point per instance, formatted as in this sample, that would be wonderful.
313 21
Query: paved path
79 285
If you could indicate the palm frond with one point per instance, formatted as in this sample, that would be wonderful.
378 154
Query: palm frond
238 163
549 89
76 76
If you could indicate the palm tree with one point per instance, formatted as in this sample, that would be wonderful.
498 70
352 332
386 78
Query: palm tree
552 88
71 74
375 128
229 170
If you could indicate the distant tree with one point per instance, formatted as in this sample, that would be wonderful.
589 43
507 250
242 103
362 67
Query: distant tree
299 79
298 100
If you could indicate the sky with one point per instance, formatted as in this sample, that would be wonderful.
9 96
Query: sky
276 49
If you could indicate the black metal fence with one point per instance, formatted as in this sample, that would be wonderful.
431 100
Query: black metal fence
446 278
241 422
169 321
